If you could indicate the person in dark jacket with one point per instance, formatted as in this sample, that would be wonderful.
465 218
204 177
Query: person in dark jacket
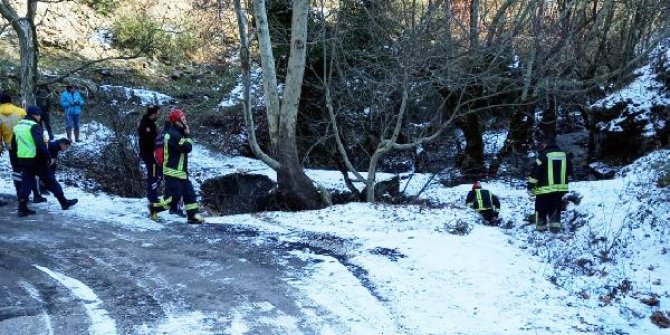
484 202
177 145
147 133
34 159
42 97
548 182
56 147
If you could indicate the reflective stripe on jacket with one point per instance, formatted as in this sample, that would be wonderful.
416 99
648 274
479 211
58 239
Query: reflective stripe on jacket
482 200
550 172
176 148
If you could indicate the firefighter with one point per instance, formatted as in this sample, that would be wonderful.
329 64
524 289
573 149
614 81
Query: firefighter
147 133
177 144
34 159
548 182
484 202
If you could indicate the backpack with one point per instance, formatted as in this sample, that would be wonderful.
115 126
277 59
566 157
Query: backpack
159 153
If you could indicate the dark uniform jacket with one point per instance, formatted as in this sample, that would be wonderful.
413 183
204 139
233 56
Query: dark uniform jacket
42 158
482 200
177 146
550 172
147 133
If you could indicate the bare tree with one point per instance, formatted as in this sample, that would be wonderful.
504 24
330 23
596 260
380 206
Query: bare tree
24 27
297 190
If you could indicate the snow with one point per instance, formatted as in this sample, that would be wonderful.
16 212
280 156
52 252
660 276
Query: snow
34 293
494 140
101 323
406 269
640 96
144 96
256 91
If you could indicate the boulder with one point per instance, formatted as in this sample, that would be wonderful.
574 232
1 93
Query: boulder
602 171
239 193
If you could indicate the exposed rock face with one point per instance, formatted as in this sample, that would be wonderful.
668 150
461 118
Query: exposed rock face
78 28
634 120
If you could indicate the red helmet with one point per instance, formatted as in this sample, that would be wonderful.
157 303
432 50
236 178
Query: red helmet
175 115
476 185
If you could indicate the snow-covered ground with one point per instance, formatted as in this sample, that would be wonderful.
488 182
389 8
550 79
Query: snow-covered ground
141 96
389 269
640 96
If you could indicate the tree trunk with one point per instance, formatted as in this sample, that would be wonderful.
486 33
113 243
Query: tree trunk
269 73
472 163
296 188
474 25
29 58
518 142
24 27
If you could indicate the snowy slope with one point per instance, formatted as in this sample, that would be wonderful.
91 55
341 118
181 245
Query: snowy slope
640 96
383 269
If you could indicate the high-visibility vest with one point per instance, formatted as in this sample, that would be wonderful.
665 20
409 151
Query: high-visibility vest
556 179
25 143
484 200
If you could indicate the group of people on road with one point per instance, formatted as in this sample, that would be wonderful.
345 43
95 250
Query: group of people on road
548 183
32 155
165 157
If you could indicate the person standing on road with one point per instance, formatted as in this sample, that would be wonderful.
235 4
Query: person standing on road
548 182
177 145
71 101
484 202
147 133
34 159
10 116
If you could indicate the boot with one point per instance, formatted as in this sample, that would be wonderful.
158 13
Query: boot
69 134
195 219
66 204
76 135
24 210
154 209
39 199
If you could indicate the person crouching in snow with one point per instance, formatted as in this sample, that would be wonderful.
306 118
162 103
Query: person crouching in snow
177 144
484 202
34 160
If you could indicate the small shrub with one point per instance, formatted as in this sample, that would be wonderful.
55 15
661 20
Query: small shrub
143 35
102 7
664 176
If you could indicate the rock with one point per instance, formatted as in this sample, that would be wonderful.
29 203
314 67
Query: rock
239 193
602 171
651 301
660 319
387 188
176 74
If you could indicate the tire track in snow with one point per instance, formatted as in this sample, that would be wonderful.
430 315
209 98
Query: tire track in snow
35 294
101 322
